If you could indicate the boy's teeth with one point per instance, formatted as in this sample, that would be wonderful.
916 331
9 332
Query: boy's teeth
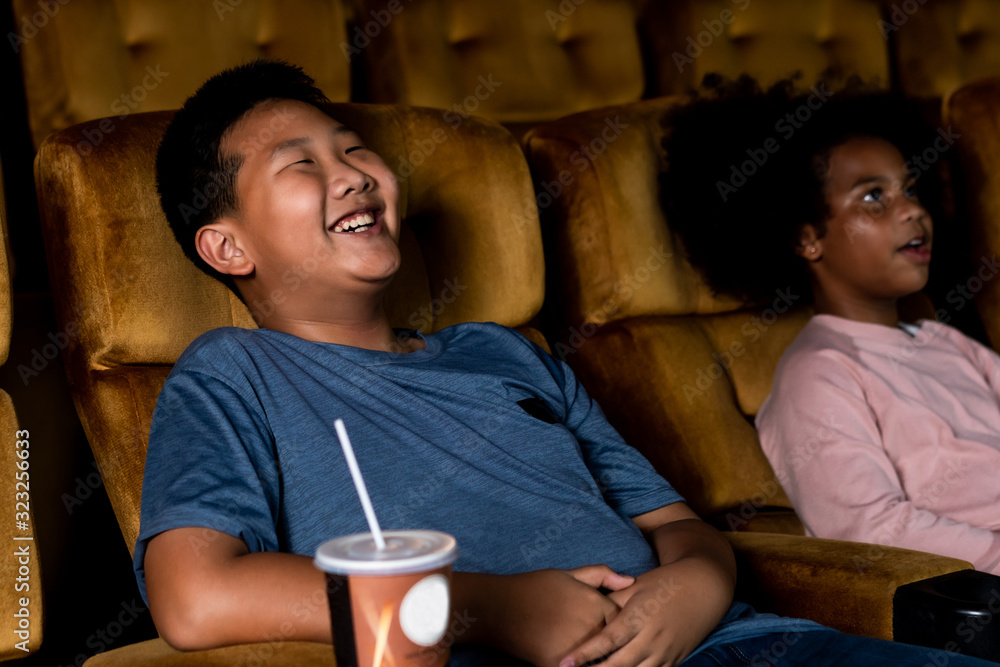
361 220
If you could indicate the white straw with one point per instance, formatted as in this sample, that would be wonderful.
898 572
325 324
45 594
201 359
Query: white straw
359 483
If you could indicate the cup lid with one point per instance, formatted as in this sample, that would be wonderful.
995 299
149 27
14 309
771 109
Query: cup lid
405 551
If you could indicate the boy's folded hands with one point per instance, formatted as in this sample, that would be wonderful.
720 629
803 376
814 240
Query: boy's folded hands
662 618
541 616
561 618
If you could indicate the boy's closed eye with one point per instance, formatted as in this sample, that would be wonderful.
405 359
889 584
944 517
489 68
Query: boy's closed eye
346 152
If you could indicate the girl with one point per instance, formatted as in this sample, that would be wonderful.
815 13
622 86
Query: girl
879 430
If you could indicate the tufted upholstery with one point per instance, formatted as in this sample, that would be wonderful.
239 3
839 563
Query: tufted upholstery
10 601
974 111
541 62
681 373
520 62
546 59
759 38
93 58
943 44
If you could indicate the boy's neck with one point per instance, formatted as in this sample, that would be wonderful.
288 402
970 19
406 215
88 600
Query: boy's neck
363 325
367 335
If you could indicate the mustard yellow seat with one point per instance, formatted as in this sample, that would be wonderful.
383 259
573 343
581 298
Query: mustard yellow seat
681 373
973 111
89 59
940 46
137 301
523 62
21 603
767 39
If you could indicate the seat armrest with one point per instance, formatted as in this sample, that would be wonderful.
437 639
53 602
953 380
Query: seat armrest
848 586
953 611
277 653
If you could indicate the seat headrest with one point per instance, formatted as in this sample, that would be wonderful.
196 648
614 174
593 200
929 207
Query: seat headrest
471 249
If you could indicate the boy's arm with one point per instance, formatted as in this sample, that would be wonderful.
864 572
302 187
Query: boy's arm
206 589
669 610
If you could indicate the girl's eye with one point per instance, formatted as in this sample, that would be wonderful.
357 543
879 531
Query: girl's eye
353 148
306 161
873 195
910 190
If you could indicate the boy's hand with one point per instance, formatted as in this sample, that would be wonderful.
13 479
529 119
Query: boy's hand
663 618
544 614
670 609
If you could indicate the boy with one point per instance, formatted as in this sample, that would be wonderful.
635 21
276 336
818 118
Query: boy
244 478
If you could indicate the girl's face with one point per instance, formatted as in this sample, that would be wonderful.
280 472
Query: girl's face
877 245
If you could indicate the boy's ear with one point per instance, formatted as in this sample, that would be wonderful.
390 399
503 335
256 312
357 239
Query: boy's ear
810 245
218 244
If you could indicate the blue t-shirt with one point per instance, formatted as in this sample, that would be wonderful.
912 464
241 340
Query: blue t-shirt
481 435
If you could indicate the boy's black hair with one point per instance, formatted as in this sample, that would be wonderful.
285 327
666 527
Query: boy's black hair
746 169
196 181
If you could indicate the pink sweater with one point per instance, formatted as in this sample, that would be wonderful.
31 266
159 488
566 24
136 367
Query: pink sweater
878 436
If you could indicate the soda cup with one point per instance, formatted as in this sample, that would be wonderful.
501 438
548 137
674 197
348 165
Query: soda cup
390 607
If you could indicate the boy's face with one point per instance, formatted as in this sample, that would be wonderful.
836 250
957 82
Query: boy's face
318 211
878 238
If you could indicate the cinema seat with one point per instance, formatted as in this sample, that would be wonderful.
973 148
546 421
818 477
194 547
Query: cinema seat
681 373
519 62
89 59
973 111
768 39
102 224
21 602
942 45
528 61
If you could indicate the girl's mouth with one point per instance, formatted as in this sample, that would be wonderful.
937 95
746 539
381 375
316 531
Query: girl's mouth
917 250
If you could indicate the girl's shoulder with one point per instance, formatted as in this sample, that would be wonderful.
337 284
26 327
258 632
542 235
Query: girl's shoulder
821 354
941 334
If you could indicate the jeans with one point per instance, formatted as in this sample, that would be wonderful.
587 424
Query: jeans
826 648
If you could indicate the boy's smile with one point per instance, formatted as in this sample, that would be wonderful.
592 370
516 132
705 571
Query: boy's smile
312 200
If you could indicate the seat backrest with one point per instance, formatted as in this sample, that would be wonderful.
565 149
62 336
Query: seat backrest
973 112
89 59
22 601
939 46
691 38
131 302
679 372
517 61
